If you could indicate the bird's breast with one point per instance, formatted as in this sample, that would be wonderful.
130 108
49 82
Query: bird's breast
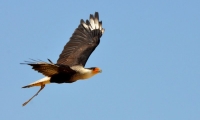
80 76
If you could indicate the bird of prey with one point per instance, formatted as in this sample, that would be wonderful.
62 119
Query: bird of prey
70 65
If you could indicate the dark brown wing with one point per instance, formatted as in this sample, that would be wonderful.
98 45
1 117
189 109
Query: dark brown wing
82 43
49 69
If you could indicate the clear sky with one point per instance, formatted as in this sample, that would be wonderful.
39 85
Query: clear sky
149 54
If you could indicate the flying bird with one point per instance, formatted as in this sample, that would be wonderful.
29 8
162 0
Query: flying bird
70 65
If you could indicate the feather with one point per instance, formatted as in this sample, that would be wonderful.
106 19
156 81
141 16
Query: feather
83 42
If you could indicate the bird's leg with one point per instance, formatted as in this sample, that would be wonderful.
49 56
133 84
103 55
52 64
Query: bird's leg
42 86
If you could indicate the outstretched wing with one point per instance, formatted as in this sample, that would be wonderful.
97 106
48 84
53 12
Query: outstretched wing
49 69
82 43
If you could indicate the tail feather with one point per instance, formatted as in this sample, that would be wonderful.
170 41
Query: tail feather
43 81
27 86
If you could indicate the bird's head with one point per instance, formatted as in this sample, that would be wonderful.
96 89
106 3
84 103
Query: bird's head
95 70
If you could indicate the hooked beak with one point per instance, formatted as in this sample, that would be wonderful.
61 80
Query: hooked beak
100 71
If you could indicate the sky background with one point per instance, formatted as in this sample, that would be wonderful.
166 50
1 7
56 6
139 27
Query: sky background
149 55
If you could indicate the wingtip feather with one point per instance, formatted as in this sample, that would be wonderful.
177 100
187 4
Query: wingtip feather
93 23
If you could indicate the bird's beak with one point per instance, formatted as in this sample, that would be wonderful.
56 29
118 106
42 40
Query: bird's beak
100 71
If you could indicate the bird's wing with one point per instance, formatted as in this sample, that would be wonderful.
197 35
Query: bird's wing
82 43
48 69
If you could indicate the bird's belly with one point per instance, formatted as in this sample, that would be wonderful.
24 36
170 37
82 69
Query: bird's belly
61 78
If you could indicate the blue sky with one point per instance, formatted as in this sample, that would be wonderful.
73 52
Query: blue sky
149 55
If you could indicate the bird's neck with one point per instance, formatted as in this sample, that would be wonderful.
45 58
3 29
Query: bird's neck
82 73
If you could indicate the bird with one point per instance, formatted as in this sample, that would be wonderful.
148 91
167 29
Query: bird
70 65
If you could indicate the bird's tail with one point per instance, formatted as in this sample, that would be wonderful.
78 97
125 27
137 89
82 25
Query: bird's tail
43 81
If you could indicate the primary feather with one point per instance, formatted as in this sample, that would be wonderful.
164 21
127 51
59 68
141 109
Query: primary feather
82 43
